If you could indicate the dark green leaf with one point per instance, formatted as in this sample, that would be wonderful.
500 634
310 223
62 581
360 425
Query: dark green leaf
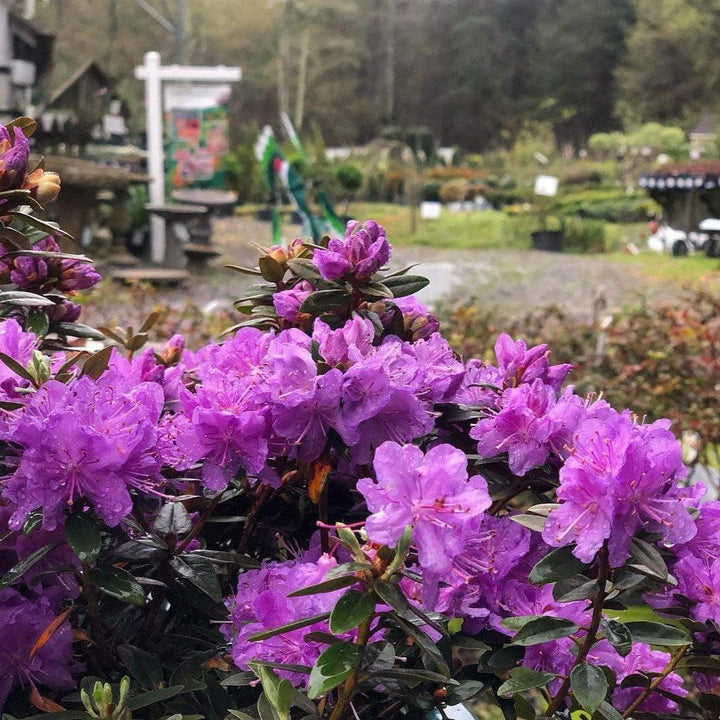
543 630
466 690
244 270
350 610
295 625
173 518
522 679
577 587
606 712
589 685
28 299
403 285
38 322
332 667
531 522
271 269
326 586
142 549
524 708
322 301
425 644
97 364
654 633
77 330
305 269
84 537
645 559
200 572
557 565
618 636
414 674
18 570
702 663
153 696
46 227
143 667
119 584
376 289
16 367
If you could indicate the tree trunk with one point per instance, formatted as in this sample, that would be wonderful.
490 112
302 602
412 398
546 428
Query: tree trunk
390 62
302 78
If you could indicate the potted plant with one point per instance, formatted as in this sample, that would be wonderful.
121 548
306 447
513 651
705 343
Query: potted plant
550 235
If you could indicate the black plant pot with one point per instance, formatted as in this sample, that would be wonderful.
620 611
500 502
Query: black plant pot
549 240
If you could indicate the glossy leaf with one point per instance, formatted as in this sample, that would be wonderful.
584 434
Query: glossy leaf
350 610
543 630
589 685
332 667
84 537
654 633
522 679
556 565
118 583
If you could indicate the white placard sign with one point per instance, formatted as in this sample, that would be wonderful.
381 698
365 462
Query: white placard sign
430 210
546 185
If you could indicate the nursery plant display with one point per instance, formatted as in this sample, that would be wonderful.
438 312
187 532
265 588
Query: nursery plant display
329 514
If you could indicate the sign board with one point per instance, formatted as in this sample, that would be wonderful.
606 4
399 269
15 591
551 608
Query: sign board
196 134
155 74
430 210
546 185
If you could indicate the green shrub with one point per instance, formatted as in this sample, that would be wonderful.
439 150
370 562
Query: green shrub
660 360
610 206
431 190
349 176
455 190
580 235
607 145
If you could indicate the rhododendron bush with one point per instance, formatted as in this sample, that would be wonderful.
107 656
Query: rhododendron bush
329 514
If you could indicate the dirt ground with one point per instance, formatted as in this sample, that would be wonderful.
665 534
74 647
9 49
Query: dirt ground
511 280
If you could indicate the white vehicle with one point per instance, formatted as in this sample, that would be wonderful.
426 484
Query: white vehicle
678 242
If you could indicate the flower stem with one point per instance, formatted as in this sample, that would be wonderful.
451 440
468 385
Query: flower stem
591 635
640 699
349 686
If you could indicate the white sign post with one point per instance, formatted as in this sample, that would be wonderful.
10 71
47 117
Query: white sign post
154 74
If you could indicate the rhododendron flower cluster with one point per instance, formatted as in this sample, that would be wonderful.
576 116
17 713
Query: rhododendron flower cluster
330 514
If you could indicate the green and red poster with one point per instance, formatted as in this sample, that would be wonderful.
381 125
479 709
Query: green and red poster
196 135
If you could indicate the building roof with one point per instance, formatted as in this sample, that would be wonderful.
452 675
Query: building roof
89 68
683 176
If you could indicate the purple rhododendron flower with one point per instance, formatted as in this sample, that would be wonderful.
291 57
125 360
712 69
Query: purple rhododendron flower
14 157
473 589
699 581
619 478
287 302
640 659
262 603
305 425
361 254
419 323
22 622
19 345
431 492
44 274
347 345
521 428
520 365
86 440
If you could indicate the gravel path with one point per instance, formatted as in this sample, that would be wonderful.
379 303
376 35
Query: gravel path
514 281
